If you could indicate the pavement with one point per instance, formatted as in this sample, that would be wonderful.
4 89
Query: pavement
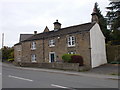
104 71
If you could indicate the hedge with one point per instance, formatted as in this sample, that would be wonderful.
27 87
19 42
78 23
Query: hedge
73 58
66 57
77 59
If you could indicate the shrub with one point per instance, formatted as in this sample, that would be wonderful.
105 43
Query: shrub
10 60
66 57
73 58
115 62
77 59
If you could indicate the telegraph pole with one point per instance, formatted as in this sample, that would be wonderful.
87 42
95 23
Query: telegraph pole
2 40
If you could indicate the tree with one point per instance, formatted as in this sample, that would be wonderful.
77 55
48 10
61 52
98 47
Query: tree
7 53
113 15
113 20
102 22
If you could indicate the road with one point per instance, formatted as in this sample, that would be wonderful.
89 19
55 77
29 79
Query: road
15 77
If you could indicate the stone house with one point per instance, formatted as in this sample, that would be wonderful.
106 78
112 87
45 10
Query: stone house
49 46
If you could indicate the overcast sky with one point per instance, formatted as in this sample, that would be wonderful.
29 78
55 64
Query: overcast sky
25 16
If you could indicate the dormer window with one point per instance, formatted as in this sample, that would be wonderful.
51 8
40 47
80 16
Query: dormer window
33 45
71 41
52 43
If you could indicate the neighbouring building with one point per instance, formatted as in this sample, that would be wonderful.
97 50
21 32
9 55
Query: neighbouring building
85 39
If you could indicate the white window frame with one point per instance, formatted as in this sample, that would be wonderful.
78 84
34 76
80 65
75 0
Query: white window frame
18 59
71 40
72 52
33 45
51 43
50 56
33 58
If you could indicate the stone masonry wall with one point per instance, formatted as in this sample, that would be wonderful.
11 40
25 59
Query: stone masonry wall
27 52
60 66
61 47
17 53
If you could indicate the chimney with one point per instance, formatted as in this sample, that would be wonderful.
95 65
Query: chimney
57 25
94 16
35 32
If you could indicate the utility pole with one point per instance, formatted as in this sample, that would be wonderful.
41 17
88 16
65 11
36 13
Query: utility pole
2 40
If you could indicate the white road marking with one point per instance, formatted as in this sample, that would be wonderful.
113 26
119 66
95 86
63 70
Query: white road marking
0 73
20 78
58 86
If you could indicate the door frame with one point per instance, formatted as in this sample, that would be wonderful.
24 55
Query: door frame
50 56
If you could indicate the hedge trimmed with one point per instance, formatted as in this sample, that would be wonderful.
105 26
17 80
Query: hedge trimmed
77 59
66 57
73 58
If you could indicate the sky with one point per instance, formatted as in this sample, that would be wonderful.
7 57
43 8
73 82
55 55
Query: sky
26 16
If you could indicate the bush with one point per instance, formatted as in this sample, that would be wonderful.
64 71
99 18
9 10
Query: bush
77 59
73 58
66 57
10 60
115 62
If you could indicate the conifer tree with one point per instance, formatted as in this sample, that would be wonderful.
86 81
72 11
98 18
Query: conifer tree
102 22
113 15
113 20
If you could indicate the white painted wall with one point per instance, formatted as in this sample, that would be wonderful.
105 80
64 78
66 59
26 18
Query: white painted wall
98 51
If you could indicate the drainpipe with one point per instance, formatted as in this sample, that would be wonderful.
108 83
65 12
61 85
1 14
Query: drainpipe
90 50
43 50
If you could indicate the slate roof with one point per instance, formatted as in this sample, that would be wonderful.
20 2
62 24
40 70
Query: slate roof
63 31
24 37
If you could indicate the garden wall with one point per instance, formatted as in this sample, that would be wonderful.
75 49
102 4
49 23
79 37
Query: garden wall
113 52
61 66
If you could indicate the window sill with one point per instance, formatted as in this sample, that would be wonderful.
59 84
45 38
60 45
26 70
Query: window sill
34 61
71 45
33 48
52 46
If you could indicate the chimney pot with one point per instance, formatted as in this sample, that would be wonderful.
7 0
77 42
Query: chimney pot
35 32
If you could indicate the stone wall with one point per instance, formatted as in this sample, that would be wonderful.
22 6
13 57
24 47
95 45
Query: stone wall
113 52
17 53
27 51
82 47
60 66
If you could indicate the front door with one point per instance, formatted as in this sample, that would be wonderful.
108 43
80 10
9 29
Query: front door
51 56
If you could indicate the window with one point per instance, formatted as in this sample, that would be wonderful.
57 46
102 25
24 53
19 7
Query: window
19 59
72 52
19 48
51 43
19 53
71 41
33 58
33 46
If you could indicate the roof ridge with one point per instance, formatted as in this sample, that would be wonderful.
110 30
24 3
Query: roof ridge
26 34
78 25
62 31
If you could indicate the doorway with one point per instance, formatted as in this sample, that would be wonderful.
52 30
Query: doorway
51 56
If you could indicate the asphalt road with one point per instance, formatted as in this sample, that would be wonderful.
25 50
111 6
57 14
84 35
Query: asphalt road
13 77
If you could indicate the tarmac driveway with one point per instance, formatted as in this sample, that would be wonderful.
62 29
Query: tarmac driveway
108 69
